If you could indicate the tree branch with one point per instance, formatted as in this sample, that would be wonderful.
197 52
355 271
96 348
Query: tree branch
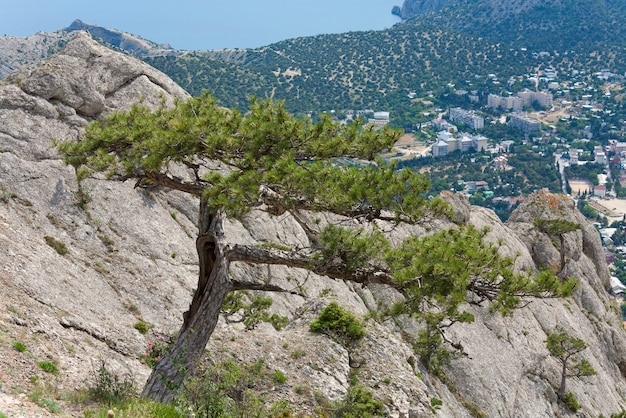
265 287
176 183
306 259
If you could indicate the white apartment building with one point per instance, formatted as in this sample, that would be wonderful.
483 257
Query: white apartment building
517 103
467 117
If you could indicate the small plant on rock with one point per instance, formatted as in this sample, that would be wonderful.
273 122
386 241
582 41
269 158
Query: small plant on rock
338 324
18 346
57 245
111 388
279 377
142 327
48 366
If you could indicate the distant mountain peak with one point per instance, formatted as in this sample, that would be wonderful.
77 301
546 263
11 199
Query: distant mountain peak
412 8
75 25
133 44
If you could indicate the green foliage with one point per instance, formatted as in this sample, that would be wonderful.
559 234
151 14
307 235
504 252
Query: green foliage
429 347
565 349
587 171
570 400
360 403
440 269
57 245
142 327
266 147
354 249
112 388
586 209
473 409
254 310
279 377
556 227
40 395
155 351
50 405
436 273
436 403
562 345
230 390
138 408
5 196
296 354
338 324
19 346
48 366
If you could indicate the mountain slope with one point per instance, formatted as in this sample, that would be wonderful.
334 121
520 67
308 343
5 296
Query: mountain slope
459 44
356 70
131 258
552 26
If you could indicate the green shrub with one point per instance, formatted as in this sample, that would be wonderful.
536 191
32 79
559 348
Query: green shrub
227 390
111 388
57 245
339 324
51 405
279 377
21 347
48 366
142 327
296 354
40 395
569 399
360 403
138 408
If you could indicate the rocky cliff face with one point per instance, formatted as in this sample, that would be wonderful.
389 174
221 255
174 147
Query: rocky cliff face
131 257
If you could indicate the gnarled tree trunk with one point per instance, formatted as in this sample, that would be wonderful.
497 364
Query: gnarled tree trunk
214 284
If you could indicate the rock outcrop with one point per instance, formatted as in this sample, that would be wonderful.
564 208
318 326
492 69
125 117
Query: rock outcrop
132 44
131 258
412 8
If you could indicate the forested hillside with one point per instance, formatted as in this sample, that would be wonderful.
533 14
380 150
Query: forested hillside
346 71
559 25
456 47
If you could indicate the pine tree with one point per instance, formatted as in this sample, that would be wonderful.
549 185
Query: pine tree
271 161
565 348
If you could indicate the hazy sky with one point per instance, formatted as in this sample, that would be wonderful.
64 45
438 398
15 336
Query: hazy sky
196 24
